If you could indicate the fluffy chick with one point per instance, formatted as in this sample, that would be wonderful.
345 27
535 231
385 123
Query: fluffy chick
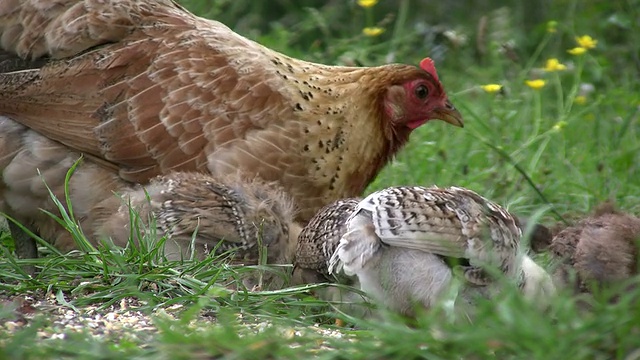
600 249
400 242
224 213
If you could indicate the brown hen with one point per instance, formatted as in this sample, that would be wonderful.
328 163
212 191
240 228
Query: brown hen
144 88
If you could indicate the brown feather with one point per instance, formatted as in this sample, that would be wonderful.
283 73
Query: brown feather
319 240
601 249
223 212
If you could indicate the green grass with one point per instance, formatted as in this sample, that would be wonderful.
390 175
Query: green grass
538 152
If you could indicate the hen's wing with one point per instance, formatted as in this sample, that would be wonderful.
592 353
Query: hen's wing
214 208
150 87
62 28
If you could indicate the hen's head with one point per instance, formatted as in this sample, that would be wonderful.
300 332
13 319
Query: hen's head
416 97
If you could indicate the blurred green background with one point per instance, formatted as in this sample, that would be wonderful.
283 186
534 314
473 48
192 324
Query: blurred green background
458 31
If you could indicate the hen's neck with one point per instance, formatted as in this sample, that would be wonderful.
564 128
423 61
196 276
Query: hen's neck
345 134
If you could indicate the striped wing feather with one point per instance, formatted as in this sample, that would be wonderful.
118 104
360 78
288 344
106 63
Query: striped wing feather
451 222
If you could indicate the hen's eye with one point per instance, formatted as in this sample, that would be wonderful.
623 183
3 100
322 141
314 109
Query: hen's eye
421 92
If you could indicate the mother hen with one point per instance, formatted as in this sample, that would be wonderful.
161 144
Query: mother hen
143 87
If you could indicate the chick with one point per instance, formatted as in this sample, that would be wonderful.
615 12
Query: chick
403 244
209 213
319 240
316 243
598 250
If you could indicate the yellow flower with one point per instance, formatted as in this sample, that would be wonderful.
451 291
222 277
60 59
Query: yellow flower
367 3
535 84
559 125
586 42
581 100
372 31
554 65
491 88
577 51
551 26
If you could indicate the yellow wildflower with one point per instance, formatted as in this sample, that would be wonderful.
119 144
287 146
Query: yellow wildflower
577 51
580 100
551 26
372 31
559 125
535 84
554 65
586 42
491 88
367 3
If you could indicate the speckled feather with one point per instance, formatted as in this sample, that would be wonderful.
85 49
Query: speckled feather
146 88
319 240
225 213
451 222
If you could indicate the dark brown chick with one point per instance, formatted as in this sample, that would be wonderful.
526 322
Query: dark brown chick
602 249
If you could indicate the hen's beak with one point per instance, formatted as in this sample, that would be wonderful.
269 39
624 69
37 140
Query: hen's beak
450 114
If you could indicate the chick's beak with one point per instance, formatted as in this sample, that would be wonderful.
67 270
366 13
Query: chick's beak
449 113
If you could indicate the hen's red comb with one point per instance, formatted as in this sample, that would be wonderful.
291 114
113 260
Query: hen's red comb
427 65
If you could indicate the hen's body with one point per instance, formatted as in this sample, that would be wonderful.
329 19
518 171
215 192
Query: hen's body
214 208
143 88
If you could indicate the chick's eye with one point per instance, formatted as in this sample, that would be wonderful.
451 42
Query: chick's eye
421 92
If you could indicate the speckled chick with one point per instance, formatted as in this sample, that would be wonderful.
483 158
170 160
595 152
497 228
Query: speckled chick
224 213
319 240
401 241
